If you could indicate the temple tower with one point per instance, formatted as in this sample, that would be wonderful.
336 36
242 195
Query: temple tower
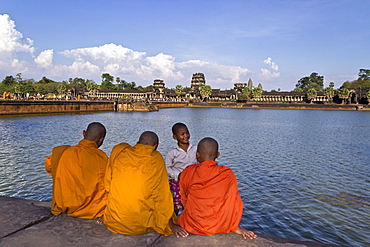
197 81
158 88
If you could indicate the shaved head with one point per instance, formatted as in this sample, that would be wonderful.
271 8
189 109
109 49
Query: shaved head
208 149
95 132
149 138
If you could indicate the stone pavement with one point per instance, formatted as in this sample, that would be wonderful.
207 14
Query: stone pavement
30 223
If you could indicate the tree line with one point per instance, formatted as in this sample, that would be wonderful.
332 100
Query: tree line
315 83
45 85
311 84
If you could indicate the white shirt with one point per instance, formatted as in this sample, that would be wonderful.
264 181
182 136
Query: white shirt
177 159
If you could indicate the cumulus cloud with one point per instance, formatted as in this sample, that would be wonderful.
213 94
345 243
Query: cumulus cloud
273 72
44 59
272 64
11 40
117 60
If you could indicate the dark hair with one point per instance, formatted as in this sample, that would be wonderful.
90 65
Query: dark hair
176 126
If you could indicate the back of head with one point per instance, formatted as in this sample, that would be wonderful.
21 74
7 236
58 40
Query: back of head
208 149
95 132
177 126
149 138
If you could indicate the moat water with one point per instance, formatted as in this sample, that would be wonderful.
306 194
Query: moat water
303 174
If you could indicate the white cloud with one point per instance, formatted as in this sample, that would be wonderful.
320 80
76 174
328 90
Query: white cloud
267 74
44 59
11 40
272 65
273 72
119 61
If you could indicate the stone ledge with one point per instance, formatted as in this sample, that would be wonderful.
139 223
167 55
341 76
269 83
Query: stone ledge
29 223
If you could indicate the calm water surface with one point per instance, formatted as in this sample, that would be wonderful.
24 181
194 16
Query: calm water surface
303 174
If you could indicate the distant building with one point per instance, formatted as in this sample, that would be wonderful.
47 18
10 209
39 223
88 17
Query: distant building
160 93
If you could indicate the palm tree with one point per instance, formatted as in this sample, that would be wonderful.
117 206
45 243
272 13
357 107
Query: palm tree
245 94
329 93
178 90
343 94
256 92
205 91
61 88
92 87
311 94
368 96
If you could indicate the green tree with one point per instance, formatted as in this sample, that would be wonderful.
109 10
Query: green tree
368 95
107 82
92 87
245 94
61 88
257 92
329 92
119 84
364 75
45 80
343 94
29 86
130 85
315 81
179 89
9 80
78 82
311 94
205 91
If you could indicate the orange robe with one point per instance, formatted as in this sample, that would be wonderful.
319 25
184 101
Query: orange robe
139 198
212 203
78 180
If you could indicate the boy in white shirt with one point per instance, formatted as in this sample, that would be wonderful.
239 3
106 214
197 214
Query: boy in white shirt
177 159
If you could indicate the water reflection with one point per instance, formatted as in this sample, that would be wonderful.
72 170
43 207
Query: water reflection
302 174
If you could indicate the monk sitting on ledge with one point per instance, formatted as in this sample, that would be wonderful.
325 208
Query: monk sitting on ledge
140 200
209 194
78 175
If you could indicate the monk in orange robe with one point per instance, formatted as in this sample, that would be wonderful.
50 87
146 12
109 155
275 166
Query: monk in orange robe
139 200
209 194
78 175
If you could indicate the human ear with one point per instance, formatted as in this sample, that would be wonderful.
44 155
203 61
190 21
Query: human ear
198 156
155 146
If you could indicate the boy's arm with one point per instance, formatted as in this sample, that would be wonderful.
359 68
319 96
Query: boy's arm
169 163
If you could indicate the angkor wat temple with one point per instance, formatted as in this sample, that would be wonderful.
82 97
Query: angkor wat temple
193 94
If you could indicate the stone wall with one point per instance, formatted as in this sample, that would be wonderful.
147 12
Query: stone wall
52 106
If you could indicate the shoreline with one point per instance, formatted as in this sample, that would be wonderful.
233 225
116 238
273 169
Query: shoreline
30 223
24 107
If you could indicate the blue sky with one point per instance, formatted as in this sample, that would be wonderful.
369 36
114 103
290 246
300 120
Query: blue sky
274 43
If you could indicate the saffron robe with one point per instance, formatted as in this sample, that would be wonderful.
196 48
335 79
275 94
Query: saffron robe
212 203
139 199
78 180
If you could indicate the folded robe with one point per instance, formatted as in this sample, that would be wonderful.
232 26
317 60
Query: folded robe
78 180
212 203
139 198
